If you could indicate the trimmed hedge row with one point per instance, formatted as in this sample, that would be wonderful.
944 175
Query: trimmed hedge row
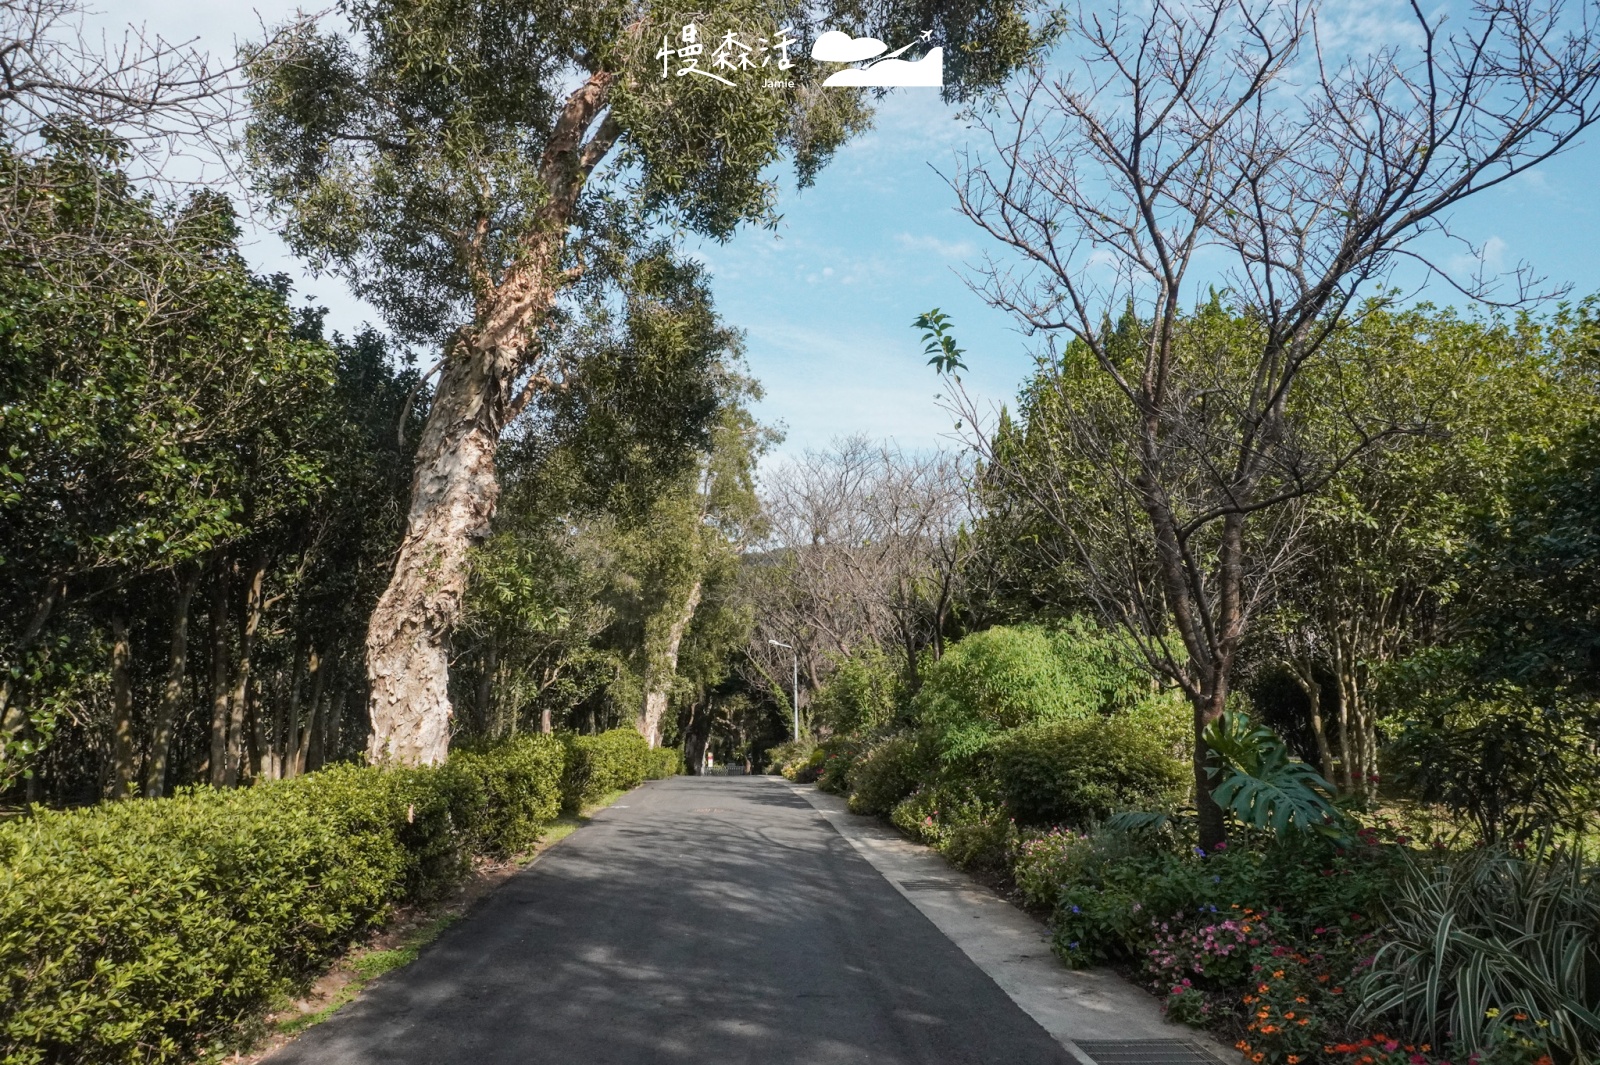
612 761
157 930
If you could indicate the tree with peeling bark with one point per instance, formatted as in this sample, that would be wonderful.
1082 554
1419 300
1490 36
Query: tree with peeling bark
441 156
1235 143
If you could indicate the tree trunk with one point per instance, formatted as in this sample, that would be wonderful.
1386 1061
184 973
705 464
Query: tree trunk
289 753
219 676
330 738
1304 674
300 738
453 488
491 661
664 670
239 697
122 745
155 782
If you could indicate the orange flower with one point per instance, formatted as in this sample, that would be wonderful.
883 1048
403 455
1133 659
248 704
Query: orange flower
1256 1057
1294 1059
1519 1016
1289 1016
1302 1000
1278 975
1302 1021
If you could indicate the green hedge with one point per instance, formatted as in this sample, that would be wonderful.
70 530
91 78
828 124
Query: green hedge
596 765
1080 772
156 930
664 762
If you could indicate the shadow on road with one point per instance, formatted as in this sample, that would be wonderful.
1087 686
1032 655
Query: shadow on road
703 919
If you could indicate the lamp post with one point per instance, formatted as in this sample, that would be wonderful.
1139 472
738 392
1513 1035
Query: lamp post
795 697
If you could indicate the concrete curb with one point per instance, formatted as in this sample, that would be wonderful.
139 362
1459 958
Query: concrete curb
1007 944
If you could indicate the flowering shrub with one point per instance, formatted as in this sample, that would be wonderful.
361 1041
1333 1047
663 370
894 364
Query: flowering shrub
957 822
1043 861
1297 1003
1519 1041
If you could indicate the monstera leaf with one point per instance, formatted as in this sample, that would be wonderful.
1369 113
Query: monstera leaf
1263 786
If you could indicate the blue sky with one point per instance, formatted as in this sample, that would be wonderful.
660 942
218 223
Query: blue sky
827 300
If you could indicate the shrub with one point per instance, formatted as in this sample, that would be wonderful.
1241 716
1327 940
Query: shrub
787 758
617 760
887 773
959 822
521 783
1013 676
1477 940
1080 772
1515 768
839 756
153 930
665 762
1044 861
864 693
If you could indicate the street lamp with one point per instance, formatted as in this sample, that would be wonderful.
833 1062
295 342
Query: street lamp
795 704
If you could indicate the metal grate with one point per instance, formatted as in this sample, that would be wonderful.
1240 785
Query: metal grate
1148 1052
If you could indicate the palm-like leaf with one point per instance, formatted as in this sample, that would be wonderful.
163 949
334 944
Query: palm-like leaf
1263 786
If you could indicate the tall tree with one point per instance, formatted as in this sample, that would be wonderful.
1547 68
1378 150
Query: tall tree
1228 137
439 155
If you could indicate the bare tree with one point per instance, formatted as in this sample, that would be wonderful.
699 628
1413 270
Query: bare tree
155 95
1230 141
865 546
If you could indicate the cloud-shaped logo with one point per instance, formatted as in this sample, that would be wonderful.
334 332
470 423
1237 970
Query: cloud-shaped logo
836 47
895 73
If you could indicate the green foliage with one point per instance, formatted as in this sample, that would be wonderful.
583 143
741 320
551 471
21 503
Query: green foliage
888 771
790 758
385 142
664 762
958 821
618 760
1046 860
1263 787
153 930
839 756
1077 773
863 694
1010 676
1514 768
1476 939
520 779
938 343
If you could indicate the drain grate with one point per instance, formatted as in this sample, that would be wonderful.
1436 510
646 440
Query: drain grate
1148 1052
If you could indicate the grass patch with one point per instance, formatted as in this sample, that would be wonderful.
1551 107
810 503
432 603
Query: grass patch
367 967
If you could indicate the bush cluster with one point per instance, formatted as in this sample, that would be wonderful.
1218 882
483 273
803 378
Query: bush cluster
612 761
155 930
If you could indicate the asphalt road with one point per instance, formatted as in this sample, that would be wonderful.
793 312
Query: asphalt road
701 920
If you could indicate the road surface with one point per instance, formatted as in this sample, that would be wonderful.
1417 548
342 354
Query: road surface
700 920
